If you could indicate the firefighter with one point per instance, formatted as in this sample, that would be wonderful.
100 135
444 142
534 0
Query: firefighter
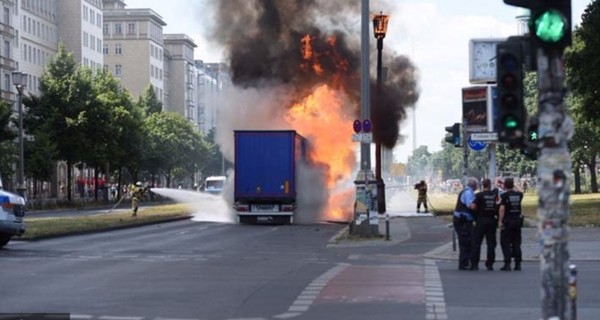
510 222
422 196
486 222
136 195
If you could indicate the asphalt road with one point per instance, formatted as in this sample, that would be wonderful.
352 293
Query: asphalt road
201 270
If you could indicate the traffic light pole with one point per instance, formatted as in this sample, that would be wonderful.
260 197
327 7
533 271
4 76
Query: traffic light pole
465 141
554 169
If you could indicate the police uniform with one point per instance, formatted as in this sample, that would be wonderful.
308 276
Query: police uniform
510 235
486 222
463 226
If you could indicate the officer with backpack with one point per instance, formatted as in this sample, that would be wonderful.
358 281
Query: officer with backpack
510 224
486 222
463 223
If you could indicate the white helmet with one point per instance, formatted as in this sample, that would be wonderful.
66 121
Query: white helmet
139 184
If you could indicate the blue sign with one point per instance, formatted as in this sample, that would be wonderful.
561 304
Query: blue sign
357 126
476 145
367 125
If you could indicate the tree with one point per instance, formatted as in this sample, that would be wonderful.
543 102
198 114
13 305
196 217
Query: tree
148 102
8 148
418 163
581 61
64 95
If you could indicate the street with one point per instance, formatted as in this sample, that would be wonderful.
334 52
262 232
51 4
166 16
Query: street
201 270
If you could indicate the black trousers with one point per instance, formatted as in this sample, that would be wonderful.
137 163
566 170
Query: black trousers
464 231
510 241
485 227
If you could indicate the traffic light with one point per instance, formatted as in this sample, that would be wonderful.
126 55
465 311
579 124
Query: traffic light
530 147
454 137
550 22
511 107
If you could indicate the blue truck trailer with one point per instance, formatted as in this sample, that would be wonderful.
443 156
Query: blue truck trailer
265 166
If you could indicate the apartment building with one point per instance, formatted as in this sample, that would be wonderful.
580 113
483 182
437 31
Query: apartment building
80 29
8 49
134 48
181 76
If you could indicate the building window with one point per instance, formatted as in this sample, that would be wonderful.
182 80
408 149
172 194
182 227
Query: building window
105 68
131 28
85 13
98 20
7 81
92 17
6 16
118 49
7 49
105 29
118 70
99 44
118 28
85 39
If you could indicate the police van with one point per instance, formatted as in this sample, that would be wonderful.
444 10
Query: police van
12 210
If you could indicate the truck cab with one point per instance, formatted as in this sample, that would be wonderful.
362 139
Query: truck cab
12 211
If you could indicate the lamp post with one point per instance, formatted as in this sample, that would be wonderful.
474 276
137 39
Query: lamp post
20 81
380 23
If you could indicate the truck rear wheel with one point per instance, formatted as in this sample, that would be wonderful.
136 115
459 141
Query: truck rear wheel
4 239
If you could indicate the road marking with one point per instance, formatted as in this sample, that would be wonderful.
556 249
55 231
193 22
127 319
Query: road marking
119 318
434 293
306 298
81 316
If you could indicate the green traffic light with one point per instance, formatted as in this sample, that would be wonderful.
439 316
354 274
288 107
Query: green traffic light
550 26
511 123
533 136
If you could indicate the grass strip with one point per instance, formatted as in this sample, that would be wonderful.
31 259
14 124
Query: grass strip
584 207
54 226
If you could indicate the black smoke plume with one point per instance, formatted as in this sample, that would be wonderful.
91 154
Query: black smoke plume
263 41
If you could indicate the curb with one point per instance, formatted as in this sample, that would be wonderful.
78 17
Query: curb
78 233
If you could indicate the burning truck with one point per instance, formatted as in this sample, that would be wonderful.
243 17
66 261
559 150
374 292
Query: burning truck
265 175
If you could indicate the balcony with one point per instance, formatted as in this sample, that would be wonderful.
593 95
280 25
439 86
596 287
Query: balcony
7 30
9 96
8 64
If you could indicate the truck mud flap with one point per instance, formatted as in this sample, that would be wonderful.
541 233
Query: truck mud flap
266 219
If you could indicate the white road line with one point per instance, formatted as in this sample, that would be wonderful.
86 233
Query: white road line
119 318
173 319
306 298
81 316
434 292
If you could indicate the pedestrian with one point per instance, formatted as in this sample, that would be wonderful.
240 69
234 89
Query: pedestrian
486 222
510 223
422 196
463 223
136 195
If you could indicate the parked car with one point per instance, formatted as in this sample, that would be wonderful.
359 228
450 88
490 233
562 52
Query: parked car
12 210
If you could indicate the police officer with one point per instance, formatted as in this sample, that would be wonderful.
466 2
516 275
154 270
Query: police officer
463 223
422 196
486 222
510 223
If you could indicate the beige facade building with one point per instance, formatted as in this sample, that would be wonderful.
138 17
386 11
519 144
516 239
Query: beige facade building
182 81
133 47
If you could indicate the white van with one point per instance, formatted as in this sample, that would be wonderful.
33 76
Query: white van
214 184
12 210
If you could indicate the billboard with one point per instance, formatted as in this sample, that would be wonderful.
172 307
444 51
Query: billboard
475 108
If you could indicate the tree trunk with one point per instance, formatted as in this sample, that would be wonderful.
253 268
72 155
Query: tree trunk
577 177
593 181
96 172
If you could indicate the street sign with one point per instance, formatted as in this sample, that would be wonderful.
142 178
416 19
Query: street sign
367 125
357 126
362 137
476 145
484 136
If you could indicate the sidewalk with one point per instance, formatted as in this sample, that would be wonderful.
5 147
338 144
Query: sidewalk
583 243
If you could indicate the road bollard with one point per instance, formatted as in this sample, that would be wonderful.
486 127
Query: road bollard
387 226
451 226
573 290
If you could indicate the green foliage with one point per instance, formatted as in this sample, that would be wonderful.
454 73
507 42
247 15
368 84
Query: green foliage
8 148
149 103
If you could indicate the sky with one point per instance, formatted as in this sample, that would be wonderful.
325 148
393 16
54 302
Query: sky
435 35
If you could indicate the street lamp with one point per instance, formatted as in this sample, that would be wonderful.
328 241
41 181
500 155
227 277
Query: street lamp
380 23
20 82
